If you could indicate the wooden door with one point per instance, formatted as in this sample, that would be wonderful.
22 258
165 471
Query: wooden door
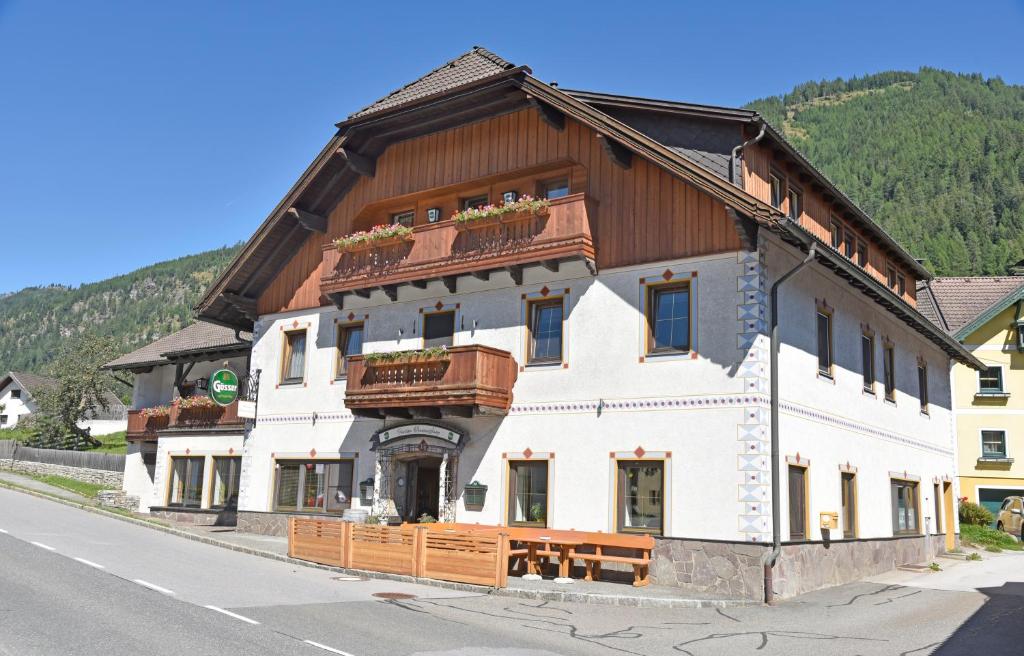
797 503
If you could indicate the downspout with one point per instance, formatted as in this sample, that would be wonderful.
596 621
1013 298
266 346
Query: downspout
772 557
735 151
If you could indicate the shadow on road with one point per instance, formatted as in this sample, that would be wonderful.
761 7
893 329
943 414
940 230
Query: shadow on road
996 628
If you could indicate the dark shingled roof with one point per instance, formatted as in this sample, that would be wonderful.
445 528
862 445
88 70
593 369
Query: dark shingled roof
953 303
198 337
29 382
474 65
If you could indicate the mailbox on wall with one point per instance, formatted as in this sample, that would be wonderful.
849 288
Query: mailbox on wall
829 520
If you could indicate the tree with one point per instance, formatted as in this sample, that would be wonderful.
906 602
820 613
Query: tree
81 386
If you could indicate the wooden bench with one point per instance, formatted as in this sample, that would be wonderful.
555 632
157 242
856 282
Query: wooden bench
640 545
519 533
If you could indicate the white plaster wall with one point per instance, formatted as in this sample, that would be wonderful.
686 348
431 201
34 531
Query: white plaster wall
15 408
136 480
833 422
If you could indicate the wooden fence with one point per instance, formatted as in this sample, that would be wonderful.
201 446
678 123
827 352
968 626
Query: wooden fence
11 450
472 556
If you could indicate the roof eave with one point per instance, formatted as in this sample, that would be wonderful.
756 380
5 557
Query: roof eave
989 313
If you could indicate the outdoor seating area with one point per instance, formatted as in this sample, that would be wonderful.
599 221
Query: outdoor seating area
467 553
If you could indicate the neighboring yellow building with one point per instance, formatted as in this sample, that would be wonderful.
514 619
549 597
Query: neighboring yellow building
986 314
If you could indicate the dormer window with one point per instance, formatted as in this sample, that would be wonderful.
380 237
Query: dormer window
15 393
795 205
837 235
775 182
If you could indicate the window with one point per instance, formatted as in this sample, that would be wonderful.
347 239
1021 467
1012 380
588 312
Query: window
3 420
796 204
990 381
849 494
825 344
668 318
867 360
404 218
888 372
438 329
293 367
993 444
15 393
187 482
350 342
474 201
849 244
922 386
897 281
545 343
797 503
904 507
862 254
554 189
641 486
313 486
937 499
227 472
901 284
837 235
527 493
776 187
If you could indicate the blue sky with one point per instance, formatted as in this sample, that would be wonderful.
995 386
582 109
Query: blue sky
134 132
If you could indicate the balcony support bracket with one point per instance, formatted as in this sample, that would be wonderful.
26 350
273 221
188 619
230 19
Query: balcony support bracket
617 153
338 298
361 164
516 271
451 283
308 220
391 291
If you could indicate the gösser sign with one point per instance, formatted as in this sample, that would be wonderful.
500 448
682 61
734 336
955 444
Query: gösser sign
224 387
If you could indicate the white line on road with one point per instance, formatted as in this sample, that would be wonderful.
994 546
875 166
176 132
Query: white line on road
90 563
44 546
4 531
234 615
147 584
326 648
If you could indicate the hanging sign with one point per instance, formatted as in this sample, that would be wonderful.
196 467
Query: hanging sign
418 430
224 387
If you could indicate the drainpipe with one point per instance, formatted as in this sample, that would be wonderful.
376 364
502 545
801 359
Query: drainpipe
737 149
770 561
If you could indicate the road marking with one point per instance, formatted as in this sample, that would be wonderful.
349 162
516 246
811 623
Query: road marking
44 546
234 615
326 648
4 531
147 584
90 563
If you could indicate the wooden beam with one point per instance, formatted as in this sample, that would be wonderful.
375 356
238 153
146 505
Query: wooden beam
362 293
548 114
308 220
617 153
482 275
451 283
550 265
361 164
245 305
516 271
338 298
419 284
391 291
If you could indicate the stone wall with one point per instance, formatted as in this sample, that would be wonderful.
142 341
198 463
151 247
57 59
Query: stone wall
805 567
111 479
118 499
730 569
271 523
195 516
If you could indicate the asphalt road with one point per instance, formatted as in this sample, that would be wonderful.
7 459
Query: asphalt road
73 582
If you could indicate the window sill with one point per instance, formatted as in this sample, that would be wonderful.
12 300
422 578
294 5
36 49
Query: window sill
869 392
989 460
292 383
889 401
669 355
991 395
542 366
828 378
926 414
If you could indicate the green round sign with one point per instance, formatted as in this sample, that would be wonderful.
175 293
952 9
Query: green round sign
224 387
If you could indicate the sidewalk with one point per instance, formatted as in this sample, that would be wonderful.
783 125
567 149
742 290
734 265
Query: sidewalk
32 484
992 571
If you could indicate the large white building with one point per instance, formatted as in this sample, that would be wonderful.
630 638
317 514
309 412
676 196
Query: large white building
602 362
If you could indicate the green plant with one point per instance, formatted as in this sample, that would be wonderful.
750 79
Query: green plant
376 233
935 567
524 204
194 402
974 555
426 519
434 352
537 512
983 536
972 513
155 411
372 519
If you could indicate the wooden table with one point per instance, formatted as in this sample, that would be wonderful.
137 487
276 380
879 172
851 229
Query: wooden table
564 545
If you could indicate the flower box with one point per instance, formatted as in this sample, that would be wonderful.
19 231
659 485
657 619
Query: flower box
380 236
524 209
398 357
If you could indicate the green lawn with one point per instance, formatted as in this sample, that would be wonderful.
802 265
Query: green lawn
19 434
986 536
85 489
113 443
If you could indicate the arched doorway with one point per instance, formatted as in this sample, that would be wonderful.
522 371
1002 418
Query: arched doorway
416 471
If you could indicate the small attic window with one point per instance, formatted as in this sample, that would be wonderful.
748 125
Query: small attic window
15 393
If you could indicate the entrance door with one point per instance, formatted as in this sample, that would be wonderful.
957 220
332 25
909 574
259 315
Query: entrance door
947 519
424 480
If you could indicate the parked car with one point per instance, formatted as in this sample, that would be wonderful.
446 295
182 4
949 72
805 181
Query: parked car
1011 517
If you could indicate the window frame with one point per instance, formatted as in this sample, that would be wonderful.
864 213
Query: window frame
287 350
618 499
776 189
395 218
3 420
16 394
470 202
848 488
803 536
651 293
849 243
300 484
836 234
544 186
827 314
863 256
922 385
511 491
981 442
190 461
889 371
915 487
236 479
937 503
532 305
423 326
868 372
795 198
341 360
1002 382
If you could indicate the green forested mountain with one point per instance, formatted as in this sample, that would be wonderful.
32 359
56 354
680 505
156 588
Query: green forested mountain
135 308
935 157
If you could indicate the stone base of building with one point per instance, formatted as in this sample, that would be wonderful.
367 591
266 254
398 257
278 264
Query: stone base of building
118 499
736 569
111 479
272 523
196 516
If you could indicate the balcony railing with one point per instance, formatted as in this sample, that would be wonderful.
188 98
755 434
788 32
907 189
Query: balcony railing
146 428
446 250
468 380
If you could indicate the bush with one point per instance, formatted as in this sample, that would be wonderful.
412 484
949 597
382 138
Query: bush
984 536
972 513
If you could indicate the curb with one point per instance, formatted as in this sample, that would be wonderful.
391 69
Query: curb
517 593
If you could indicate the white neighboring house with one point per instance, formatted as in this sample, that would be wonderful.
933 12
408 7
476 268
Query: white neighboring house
167 370
16 398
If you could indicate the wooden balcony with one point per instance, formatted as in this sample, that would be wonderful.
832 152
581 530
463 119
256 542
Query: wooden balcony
470 380
445 251
216 419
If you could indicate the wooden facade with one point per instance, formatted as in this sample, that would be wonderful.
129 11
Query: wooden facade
643 213
818 213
